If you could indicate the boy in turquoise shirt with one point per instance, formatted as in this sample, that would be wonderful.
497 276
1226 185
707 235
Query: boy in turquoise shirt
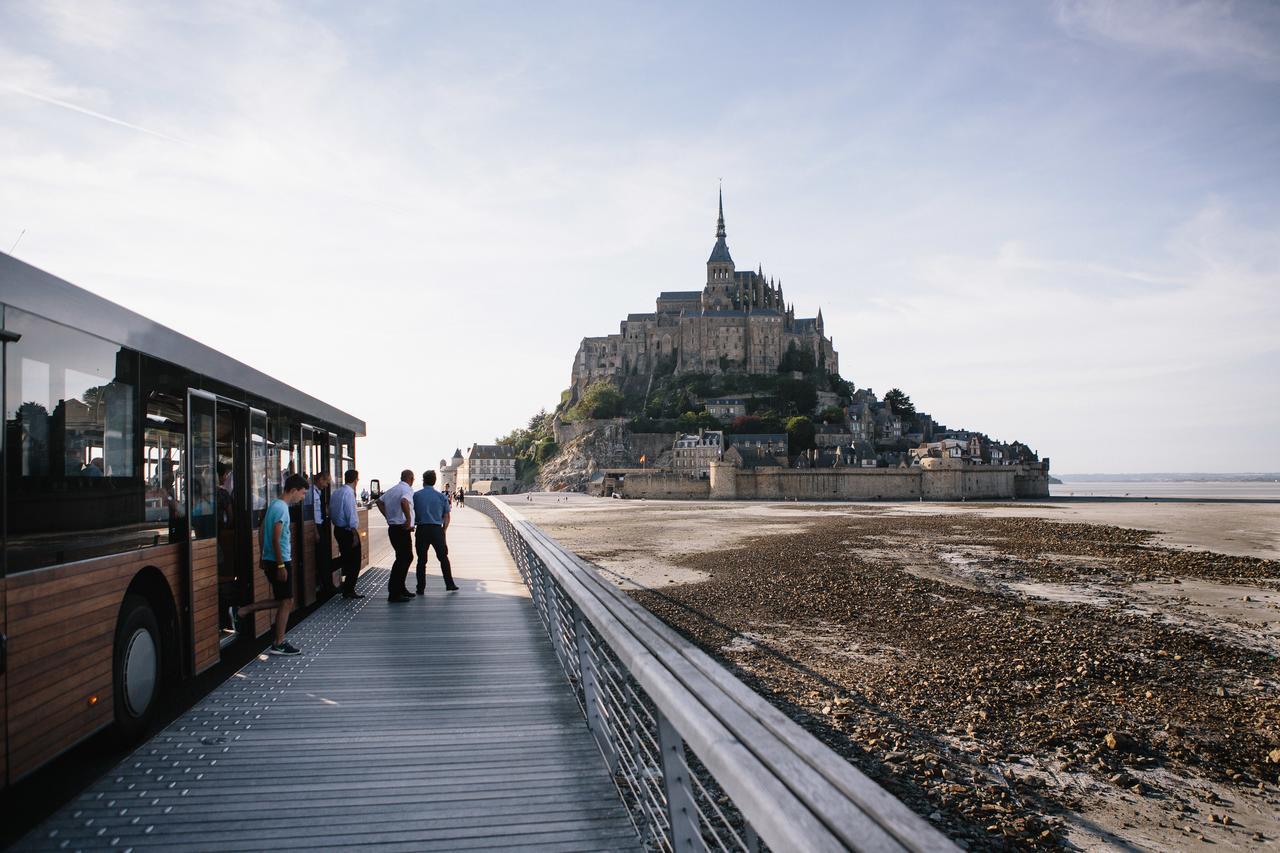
277 563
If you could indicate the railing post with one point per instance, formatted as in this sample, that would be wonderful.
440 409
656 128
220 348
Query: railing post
591 691
685 837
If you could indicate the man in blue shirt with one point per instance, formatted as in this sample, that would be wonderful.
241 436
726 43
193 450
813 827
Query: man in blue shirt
346 529
277 563
431 509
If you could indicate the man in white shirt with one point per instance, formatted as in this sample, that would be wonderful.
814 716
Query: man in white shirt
396 505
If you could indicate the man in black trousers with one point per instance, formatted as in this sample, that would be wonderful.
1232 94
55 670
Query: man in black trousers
346 528
396 505
431 510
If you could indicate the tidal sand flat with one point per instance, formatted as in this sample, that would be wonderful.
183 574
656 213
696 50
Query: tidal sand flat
1019 678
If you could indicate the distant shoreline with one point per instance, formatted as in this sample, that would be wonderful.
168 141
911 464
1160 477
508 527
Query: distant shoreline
1261 477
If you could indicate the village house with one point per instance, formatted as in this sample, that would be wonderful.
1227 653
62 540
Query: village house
771 443
692 455
488 469
726 408
832 435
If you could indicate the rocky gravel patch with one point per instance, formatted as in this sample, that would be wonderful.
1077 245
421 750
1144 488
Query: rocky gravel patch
1000 718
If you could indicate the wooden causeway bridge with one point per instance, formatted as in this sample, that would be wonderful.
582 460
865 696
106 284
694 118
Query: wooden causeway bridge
538 708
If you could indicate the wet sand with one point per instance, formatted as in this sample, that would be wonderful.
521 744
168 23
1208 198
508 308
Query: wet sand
1157 621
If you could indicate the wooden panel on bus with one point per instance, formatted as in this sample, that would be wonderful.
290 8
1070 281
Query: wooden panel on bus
204 581
308 569
61 624
363 516
261 591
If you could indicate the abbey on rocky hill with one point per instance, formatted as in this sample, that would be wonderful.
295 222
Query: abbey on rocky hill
738 323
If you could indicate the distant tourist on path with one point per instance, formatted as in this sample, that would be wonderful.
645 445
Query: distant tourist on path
316 509
462 498
431 509
277 563
396 505
346 528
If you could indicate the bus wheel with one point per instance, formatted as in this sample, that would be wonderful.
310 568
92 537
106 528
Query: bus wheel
136 672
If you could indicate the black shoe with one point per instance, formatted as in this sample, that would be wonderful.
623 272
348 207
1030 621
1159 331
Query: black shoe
422 590
398 598
452 588
352 595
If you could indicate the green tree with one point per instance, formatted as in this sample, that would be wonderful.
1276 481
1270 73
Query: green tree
800 433
832 415
797 396
796 359
693 421
900 403
602 399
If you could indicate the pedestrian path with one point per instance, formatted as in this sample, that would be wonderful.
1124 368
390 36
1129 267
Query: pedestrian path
444 723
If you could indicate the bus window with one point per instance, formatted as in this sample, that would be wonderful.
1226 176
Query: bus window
164 440
282 452
70 421
259 464
204 466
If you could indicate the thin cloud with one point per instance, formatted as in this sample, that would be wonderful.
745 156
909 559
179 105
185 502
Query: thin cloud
1218 34
67 105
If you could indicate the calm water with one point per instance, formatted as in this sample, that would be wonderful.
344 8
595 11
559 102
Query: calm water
1237 491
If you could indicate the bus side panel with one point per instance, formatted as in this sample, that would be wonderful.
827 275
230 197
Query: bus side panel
310 576
261 591
61 624
204 581
4 705
363 515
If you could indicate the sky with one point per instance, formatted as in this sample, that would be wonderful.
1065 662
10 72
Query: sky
1053 222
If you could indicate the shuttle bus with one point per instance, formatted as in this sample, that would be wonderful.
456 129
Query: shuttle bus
135 464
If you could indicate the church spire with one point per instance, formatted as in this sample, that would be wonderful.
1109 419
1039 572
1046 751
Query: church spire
720 252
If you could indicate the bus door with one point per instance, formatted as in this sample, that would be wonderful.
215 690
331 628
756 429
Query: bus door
221 553
6 338
315 558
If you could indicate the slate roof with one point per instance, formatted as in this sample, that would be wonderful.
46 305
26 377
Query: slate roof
720 253
490 451
680 294
759 438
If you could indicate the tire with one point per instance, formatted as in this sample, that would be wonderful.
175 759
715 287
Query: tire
137 667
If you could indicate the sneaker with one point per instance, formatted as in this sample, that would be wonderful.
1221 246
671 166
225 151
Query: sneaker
285 648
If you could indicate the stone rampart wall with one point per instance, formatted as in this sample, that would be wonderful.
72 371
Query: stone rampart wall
936 484
665 485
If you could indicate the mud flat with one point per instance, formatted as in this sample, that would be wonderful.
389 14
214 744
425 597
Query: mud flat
1021 674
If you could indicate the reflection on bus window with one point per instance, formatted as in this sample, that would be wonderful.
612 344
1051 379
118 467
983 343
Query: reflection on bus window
70 432
163 439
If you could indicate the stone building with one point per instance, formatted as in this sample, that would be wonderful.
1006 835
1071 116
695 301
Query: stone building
448 480
488 469
692 455
739 322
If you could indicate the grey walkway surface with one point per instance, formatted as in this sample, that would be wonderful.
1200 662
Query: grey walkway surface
443 723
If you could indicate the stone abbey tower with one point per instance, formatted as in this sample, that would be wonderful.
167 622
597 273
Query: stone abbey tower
738 323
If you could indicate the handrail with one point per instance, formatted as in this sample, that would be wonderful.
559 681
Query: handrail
702 761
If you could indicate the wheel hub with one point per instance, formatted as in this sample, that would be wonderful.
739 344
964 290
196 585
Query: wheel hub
140 671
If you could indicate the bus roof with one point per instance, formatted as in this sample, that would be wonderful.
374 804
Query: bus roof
30 289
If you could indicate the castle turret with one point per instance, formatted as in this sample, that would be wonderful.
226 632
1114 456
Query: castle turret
719 292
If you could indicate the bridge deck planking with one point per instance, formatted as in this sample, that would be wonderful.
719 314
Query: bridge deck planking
444 723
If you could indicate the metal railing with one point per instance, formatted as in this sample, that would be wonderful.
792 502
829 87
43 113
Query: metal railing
702 761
